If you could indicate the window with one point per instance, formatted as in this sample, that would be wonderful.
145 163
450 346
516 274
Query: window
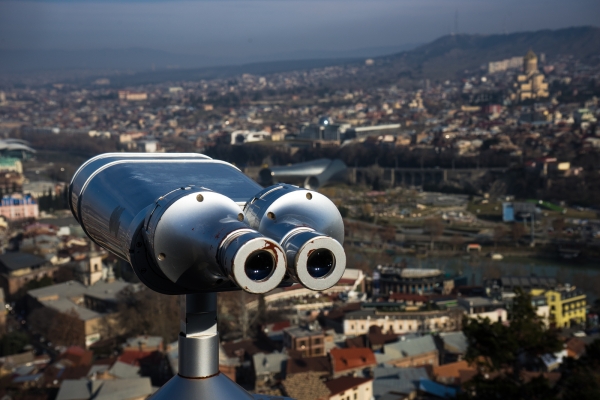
317 341
355 396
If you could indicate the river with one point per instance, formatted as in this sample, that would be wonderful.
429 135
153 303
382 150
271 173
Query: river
583 276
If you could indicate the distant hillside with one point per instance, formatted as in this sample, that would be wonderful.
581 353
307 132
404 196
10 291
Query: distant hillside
441 59
142 59
451 54
96 59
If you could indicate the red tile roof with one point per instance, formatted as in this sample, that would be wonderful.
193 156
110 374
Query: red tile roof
348 359
77 356
136 357
575 347
456 371
279 326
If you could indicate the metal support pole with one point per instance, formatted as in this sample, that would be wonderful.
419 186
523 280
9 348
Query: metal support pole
199 377
198 338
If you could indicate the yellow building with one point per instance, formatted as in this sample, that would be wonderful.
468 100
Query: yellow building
567 306
532 83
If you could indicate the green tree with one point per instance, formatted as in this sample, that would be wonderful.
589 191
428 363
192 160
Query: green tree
581 378
506 351
13 343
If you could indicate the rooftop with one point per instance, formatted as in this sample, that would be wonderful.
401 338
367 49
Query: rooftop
314 364
298 332
124 389
63 297
528 282
397 380
347 359
406 348
305 386
269 363
453 370
15 261
481 301
340 385
455 342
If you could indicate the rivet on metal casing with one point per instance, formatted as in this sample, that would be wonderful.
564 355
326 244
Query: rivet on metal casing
271 215
162 256
309 196
240 217
200 198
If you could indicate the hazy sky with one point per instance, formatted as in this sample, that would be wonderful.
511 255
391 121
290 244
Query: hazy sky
218 28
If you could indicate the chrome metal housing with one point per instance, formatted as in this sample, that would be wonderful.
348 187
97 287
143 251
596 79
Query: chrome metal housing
146 211
304 223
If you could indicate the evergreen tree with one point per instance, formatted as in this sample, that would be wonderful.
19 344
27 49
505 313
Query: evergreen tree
581 378
502 352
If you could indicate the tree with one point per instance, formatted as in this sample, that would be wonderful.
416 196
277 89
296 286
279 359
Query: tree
507 351
581 378
13 343
517 231
146 312
558 225
53 324
457 241
499 234
388 234
435 227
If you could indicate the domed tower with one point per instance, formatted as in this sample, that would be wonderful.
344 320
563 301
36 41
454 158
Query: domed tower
530 62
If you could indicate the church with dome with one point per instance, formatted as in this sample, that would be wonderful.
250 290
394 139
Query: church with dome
530 85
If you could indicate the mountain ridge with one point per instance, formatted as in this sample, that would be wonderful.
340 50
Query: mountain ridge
444 58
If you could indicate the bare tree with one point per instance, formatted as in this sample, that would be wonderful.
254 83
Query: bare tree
457 241
235 318
499 234
146 312
517 232
558 225
388 234
65 329
435 227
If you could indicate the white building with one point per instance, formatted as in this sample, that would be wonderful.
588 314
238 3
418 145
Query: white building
358 322
240 137
482 307
349 387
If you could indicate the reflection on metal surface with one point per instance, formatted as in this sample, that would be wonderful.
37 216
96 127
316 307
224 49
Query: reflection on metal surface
177 220
309 228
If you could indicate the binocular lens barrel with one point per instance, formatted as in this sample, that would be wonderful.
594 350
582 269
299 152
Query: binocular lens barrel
309 228
177 219
320 263
259 265
254 262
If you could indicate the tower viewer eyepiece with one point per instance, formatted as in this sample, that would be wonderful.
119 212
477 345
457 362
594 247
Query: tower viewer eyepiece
309 228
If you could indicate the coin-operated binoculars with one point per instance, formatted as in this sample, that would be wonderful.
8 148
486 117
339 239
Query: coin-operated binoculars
190 225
